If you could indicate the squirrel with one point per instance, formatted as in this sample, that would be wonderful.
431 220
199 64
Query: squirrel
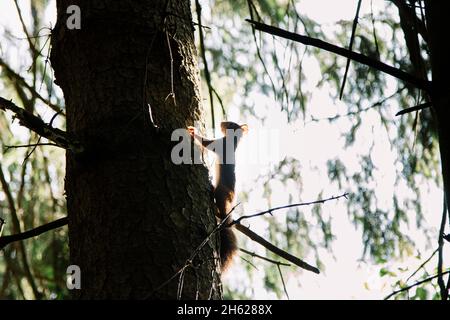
225 182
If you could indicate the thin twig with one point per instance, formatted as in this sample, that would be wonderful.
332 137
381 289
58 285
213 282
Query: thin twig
220 102
374 30
422 265
25 30
249 262
29 145
181 284
271 210
282 281
350 47
47 60
198 8
252 7
376 64
414 285
36 124
352 113
192 23
265 258
16 77
39 139
172 91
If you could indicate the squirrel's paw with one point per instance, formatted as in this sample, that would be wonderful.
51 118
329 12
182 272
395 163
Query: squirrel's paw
191 130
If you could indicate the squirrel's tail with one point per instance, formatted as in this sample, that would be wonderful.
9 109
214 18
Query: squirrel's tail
228 246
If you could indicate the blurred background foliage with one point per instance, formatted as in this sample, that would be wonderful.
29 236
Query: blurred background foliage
32 190
246 67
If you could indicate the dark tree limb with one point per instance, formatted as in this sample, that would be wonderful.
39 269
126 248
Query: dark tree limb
415 108
255 237
410 26
36 124
446 237
5 240
358 57
412 18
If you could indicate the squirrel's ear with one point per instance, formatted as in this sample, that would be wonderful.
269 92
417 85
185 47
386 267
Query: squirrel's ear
223 127
244 128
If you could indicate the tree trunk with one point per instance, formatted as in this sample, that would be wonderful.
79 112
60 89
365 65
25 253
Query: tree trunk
438 27
134 216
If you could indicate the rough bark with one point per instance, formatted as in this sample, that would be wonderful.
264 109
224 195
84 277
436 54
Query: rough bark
134 216
438 26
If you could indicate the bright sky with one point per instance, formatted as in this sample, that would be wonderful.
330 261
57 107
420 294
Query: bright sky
345 276
313 143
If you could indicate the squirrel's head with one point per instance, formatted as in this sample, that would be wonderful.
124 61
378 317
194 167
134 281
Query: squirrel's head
239 130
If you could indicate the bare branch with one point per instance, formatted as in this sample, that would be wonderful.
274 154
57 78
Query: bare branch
29 145
277 263
249 262
237 221
265 258
172 90
5 240
255 237
39 139
376 64
252 7
282 281
422 265
350 47
379 103
414 285
415 108
21 81
36 124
